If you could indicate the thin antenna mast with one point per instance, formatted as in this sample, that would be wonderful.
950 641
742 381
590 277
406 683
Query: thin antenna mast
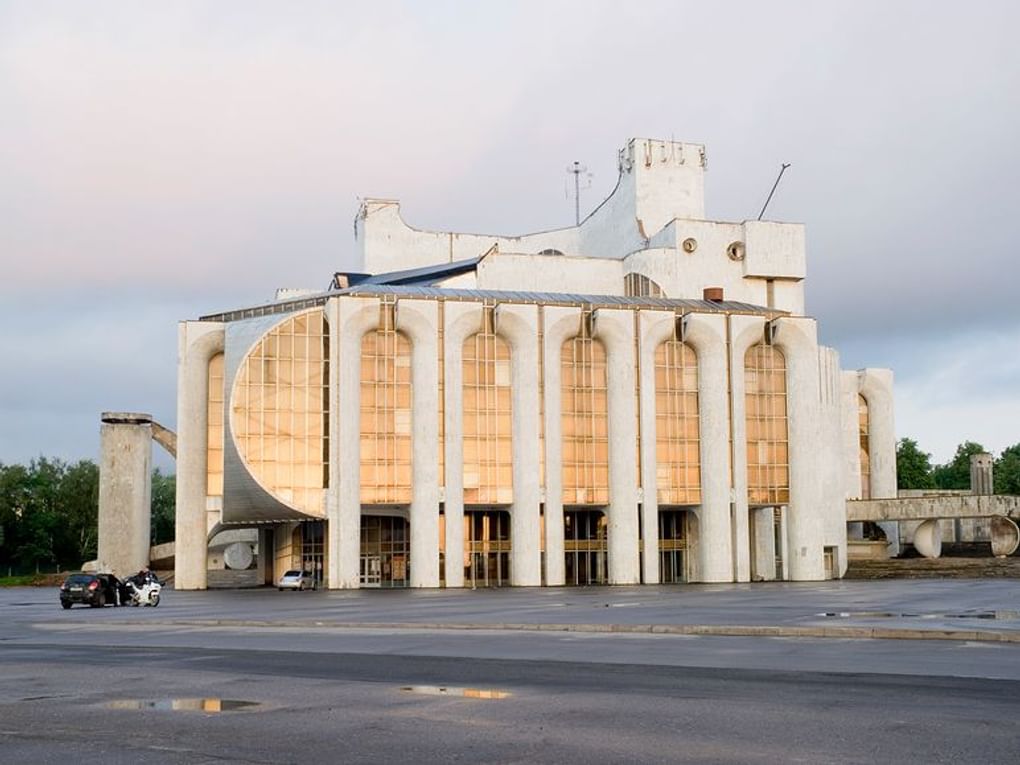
577 168
774 185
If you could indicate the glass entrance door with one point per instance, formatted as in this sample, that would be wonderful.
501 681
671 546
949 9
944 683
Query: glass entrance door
486 548
385 551
584 547
672 546
312 535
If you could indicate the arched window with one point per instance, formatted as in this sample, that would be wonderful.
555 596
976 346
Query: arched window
863 431
386 413
280 411
677 454
585 420
214 425
488 439
639 285
768 463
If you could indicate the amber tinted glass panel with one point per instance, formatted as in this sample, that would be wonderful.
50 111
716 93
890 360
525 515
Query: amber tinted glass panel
280 411
863 430
584 420
385 414
639 285
677 454
768 464
214 423
488 444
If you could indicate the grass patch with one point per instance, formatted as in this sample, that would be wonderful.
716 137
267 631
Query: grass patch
34 580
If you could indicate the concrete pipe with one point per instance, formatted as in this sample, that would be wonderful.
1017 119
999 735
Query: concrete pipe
1005 536
928 538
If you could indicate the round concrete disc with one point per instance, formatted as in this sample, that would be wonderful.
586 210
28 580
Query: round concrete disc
238 556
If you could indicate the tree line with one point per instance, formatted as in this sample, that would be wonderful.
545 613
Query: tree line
914 469
49 511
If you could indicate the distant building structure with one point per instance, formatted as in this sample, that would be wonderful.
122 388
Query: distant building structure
636 399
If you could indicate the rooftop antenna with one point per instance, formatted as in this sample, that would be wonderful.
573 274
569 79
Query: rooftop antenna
774 185
577 169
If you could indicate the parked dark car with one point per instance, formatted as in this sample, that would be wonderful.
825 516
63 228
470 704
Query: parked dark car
95 590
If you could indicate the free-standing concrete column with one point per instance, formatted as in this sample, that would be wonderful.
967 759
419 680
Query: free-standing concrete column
419 320
519 325
656 327
349 320
832 462
876 385
744 331
706 334
198 342
616 329
125 492
460 320
981 476
795 337
559 323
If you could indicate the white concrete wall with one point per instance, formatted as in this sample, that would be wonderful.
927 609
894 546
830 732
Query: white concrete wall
831 459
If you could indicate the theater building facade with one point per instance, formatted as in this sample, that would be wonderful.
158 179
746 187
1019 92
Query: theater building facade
636 399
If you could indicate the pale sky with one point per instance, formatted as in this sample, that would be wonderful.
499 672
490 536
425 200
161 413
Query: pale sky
159 161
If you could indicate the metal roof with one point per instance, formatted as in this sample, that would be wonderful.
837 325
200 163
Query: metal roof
498 296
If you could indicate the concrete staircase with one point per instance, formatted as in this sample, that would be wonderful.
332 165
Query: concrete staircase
227 579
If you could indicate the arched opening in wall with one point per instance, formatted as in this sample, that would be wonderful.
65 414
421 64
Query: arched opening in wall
486 547
585 538
768 463
585 455
280 411
639 285
386 456
385 550
214 423
677 441
863 434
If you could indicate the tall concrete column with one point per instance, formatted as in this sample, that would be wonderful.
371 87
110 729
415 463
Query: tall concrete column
876 385
419 320
559 323
519 325
744 331
349 320
125 492
831 458
796 338
706 334
981 474
656 327
615 328
198 342
460 321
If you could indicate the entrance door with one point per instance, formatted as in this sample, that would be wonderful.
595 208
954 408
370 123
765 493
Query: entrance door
487 548
584 547
312 536
672 546
385 551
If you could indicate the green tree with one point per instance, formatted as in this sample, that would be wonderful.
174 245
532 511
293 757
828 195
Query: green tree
78 506
913 467
164 497
955 474
1007 471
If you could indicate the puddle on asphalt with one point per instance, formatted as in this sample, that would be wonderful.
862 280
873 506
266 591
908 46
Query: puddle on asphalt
993 615
468 693
183 705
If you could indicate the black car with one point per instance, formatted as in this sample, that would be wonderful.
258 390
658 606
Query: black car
96 590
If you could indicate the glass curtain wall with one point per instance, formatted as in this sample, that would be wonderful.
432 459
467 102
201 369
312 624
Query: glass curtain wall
768 464
863 430
214 423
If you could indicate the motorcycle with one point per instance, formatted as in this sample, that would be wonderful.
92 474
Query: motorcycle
145 593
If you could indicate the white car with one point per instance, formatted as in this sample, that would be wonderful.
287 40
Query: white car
296 580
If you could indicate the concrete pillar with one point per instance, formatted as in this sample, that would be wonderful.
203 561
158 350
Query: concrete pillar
460 321
655 328
125 492
831 454
796 338
706 334
876 385
559 323
764 549
519 325
743 332
615 328
198 342
349 320
981 474
419 320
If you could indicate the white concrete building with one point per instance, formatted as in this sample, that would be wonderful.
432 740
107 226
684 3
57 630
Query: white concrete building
636 399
